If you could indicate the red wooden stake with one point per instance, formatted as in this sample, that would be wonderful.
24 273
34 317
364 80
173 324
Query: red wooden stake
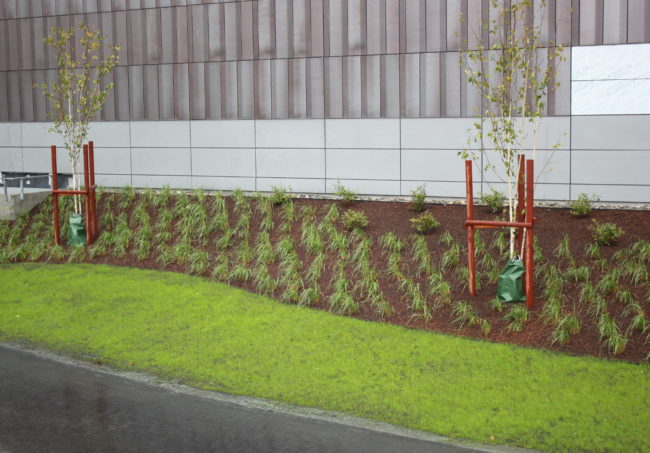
530 218
93 200
55 197
87 199
471 259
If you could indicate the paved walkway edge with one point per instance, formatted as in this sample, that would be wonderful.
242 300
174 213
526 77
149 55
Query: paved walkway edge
264 404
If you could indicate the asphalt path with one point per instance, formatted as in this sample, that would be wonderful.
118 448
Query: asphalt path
53 405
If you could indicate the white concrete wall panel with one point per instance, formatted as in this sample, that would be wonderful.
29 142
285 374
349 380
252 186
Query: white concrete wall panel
37 135
110 134
291 163
223 134
610 167
161 161
551 166
627 61
11 159
290 133
610 132
363 164
170 134
614 193
38 159
436 133
116 161
363 133
113 180
11 134
433 165
157 182
231 162
611 97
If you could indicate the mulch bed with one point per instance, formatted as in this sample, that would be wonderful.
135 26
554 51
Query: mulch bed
551 225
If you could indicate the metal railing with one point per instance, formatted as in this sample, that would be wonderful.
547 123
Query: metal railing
22 179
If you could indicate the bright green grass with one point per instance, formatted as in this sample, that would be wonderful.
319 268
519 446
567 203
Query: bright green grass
210 335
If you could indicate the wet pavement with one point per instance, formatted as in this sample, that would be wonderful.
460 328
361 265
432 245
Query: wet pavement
49 406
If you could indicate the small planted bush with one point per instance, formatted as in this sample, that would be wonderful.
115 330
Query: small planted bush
354 220
424 223
345 194
494 201
583 205
418 198
606 233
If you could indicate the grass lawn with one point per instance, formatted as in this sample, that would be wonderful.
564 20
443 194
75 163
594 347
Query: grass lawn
212 336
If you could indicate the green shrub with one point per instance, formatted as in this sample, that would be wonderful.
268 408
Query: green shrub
424 223
583 205
605 233
345 194
279 195
354 220
418 197
493 201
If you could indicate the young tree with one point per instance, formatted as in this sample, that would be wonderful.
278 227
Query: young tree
513 72
76 95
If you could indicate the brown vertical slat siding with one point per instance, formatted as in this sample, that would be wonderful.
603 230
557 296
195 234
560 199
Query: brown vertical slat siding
591 19
166 91
436 25
151 104
13 38
13 93
415 32
4 112
279 89
638 21
300 34
245 90
247 39
390 71
563 22
26 44
216 33
371 106
352 84
356 14
26 96
198 33
283 29
262 82
298 88
392 26
4 46
316 27
181 92
430 85
212 91
40 104
232 18
376 27
108 112
410 85
615 22
229 104
266 28
197 91
315 88
153 36
121 76
333 87
181 47
336 30
136 96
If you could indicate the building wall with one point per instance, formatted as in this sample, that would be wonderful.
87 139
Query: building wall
304 93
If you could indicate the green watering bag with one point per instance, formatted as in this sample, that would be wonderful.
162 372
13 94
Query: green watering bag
77 235
510 288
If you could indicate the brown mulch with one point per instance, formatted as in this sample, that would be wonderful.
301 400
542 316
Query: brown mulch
551 225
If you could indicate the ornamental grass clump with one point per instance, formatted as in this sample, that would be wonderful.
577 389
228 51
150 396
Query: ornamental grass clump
424 223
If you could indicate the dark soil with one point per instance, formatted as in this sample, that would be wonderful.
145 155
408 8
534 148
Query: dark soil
551 226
